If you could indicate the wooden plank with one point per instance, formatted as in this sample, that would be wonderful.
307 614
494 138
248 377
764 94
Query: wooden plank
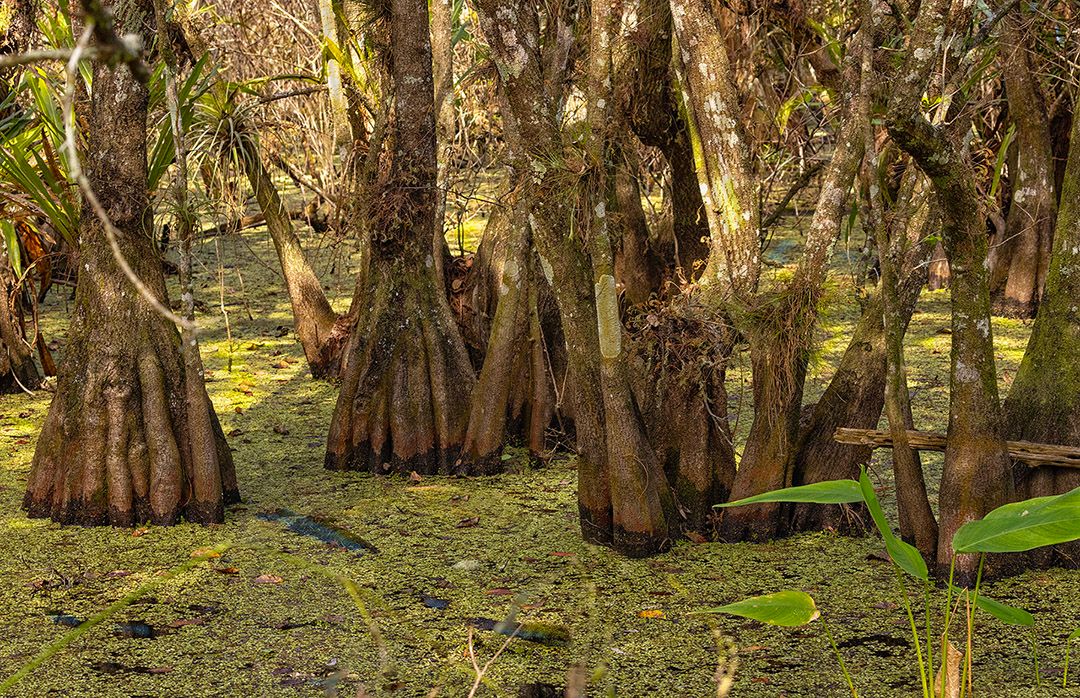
1034 454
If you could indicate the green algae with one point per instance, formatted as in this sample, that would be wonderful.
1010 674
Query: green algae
311 632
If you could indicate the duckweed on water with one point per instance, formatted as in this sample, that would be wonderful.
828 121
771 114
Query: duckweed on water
256 622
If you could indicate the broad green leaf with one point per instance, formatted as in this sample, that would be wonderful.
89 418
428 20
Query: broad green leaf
785 608
830 492
1003 612
906 556
1022 526
1073 635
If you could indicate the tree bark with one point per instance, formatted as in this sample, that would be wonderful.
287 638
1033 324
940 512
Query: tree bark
322 333
623 498
646 100
1044 402
780 344
1030 223
514 392
903 249
976 474
131 435
408 374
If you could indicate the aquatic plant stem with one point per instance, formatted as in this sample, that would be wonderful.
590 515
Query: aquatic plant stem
86 626
839 657
1035 658
971 623
945 632
914 630
929 635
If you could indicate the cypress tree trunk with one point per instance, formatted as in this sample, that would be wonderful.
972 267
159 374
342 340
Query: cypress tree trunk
130 435
407 375
623 498
780 335
638 269
514 393
1044 402
1030 222
976 475
646 100
321 332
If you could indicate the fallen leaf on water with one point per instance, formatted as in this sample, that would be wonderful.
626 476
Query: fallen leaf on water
207 553
651 613
561 554
281 429
139 532
696 538
415 476
268 579
226 570
499 591
469 522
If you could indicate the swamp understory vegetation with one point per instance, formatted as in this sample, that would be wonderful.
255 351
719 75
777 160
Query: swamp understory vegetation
452 550
539 348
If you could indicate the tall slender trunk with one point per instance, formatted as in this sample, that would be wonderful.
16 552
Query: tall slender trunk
321 332
1030 223
442 50
131 434
976 475
408 374
623 498
902 253
1043 404
780 344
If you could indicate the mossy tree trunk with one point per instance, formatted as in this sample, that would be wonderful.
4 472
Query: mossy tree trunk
721 152
130 436
623 498
780 328
1043 404
407 376
322 334
903 244
646 100
976 475
1030 222
514 394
